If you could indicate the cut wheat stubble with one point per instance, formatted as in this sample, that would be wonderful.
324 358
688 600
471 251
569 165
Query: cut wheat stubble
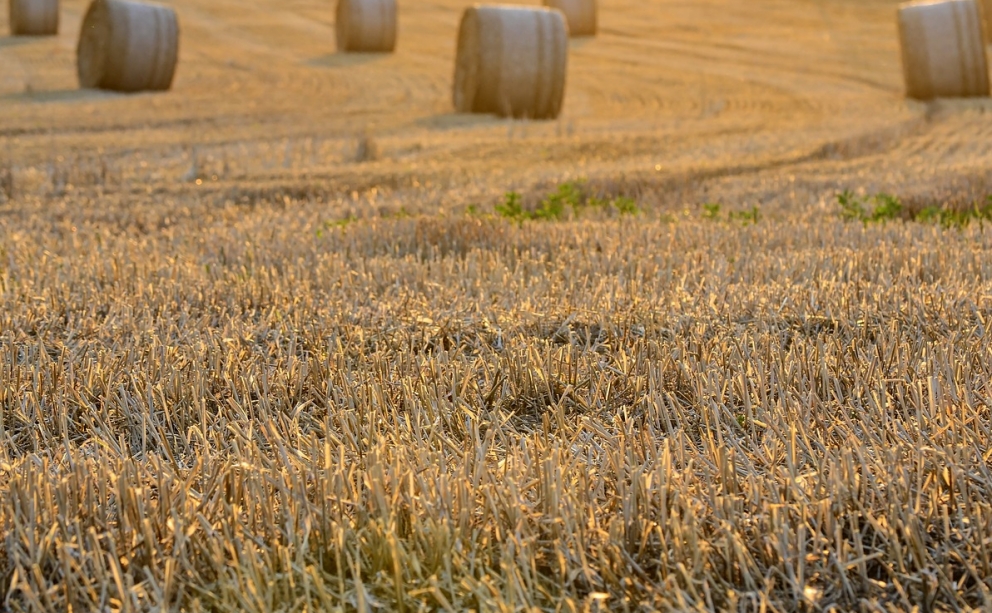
34 17
215 405
943 52
366 26
511 61
128 46
580 14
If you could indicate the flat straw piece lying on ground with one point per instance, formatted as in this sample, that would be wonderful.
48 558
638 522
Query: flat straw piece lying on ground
34 17
366 25
128 46
943 52
580 14
511 61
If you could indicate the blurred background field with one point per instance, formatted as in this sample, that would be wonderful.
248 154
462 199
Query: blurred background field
762 97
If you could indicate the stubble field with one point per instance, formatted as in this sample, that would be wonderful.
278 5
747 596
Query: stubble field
267 342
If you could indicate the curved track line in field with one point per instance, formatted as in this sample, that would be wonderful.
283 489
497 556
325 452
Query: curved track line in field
707 84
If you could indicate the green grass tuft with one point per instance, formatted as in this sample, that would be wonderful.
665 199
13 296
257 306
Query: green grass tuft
885 207
746 218
711 210
950 218
556 206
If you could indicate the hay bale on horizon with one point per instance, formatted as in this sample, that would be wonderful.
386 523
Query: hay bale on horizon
366 26
128 46
943 51
511 61
580 14
34 17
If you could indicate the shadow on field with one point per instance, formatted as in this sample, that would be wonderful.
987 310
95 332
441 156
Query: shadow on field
454 121
345 60
62 95
579 43
16 41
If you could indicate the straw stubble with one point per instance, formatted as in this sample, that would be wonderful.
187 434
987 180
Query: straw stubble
943 52
222 402
34 17
128 46
511 61
366 26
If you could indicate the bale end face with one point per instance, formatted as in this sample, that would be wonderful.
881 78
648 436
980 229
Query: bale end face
367 26
128 46
467 62
581 15
34 17
511 61
943 51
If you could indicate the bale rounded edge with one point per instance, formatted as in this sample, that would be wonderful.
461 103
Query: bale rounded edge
943 50
582 15
128 46
986 8
511 61
366 26
34 17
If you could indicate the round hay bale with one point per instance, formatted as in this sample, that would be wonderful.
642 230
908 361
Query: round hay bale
128 46
34 17
511 61
580 14
943 52
366 25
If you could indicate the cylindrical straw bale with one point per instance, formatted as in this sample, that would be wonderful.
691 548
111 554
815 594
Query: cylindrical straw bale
580 14
128 46
34 17
366 25
943 52
511 61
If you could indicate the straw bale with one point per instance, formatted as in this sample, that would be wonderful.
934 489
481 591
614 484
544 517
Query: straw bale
128 46
580 14
943 52
511 61
34 17
366 25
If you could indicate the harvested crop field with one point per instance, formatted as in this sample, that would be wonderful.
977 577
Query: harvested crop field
295 336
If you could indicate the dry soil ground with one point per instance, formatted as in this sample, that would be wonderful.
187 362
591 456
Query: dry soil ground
257 354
